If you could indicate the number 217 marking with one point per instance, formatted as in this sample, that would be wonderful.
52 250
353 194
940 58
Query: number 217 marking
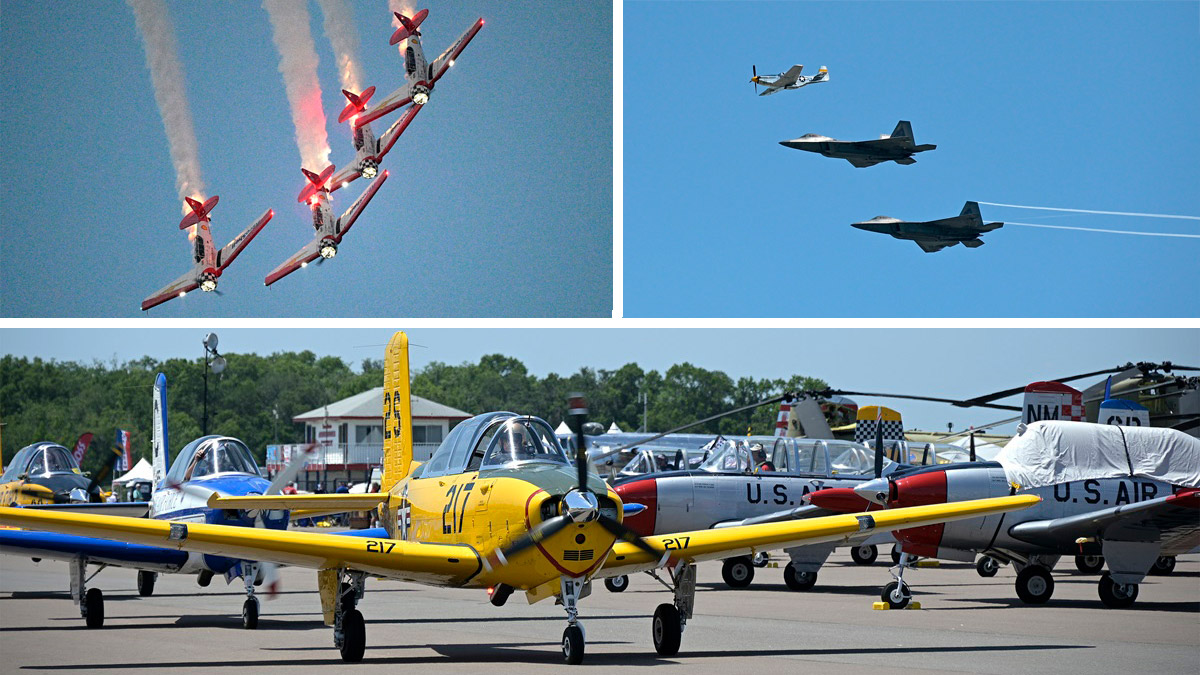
380 546
677 543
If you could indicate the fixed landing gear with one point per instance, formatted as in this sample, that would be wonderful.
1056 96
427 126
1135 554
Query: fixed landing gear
1035 585
798 581
617 584
671 619
1163 566
987 566
865 554
250 573
897 594
574 640
1089 564
1114 595
349 630
145 583
738 572
760 560
90 600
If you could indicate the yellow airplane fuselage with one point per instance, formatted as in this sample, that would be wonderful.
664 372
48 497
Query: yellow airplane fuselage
24 493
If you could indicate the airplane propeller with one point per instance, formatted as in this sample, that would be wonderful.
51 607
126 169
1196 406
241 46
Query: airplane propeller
579 505
879 446
754 79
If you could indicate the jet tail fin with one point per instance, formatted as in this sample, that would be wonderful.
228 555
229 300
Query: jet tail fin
903 130
159 446
971 209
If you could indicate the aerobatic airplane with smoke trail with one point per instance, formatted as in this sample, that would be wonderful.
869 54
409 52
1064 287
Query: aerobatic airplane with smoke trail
329 230
207 262
420 76
369 151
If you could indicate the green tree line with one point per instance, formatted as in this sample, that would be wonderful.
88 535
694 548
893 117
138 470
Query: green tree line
255 398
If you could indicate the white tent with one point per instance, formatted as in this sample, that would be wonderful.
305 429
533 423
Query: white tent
614 429
562 429
141 472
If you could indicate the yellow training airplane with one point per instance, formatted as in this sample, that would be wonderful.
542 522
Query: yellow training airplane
498 506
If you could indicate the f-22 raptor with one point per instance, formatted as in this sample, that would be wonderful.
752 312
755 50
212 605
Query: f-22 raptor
899 147
935 235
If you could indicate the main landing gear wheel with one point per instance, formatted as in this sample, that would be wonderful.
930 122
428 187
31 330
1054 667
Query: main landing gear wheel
617 584
1035 585
865 554
93 608
145 583
1116 596
798 581
573 645
1089 564
738 572
250 614
987 566
354 636
667 630
1163 566
896 594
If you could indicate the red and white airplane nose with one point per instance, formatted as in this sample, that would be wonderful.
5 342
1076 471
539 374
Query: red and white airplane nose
644 492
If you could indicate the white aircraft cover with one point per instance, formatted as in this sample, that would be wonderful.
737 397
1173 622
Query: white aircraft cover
1049 453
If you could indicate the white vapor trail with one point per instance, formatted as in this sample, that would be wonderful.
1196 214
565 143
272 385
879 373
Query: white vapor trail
1093 229
290 29
343 37
1104 213
166 75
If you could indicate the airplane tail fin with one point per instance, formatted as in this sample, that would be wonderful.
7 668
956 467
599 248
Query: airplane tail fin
785 414
159 446
971 209
871 418
822 74
903 130
356 103
397 413
408 26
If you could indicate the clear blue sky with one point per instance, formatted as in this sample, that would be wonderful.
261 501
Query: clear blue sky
499 201
931 362
1066 104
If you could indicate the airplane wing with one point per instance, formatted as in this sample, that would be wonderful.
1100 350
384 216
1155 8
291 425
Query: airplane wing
231 250
790 76
772 88
1168 519
183 284
934 245
727 542
448 564
347 219
127 509
347 175
394 100
305 255
345 502
69 547
862 162
442 63
388 139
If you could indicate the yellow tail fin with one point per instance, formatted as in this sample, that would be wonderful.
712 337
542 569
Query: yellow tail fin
397 413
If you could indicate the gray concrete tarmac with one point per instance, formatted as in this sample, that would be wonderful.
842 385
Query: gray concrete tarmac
966 624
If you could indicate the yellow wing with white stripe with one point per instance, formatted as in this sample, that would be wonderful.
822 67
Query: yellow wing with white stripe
439 564
727 542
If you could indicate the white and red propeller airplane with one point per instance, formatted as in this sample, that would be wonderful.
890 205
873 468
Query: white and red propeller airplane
330 230
420 76
369 151
207 262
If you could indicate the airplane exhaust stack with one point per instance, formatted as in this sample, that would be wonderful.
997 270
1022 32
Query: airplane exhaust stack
166 75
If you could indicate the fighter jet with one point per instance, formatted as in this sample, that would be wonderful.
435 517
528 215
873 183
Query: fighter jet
935 235
898 147
792 79
207 262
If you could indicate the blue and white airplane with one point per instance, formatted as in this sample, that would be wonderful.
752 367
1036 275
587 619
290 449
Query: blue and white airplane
208 466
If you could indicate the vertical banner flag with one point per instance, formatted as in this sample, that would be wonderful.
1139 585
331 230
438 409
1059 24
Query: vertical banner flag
123 448
81 447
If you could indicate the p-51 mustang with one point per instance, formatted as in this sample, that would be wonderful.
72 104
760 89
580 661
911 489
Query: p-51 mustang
792 79
497 507
212 465
330 230
420 76
1129 494
207 262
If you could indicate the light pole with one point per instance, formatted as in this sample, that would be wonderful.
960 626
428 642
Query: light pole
217 364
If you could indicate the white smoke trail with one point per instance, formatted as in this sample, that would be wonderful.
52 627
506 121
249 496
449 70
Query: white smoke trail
290 29
166 75
1104 213
343 37
1093 229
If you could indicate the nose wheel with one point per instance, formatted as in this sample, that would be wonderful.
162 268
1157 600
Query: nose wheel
90 600
349 630
617 584
897 594
987 566
574 642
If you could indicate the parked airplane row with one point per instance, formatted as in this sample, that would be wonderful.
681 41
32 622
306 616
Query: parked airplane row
420 77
